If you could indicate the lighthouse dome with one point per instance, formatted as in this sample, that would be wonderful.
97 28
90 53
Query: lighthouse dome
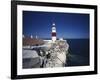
53 24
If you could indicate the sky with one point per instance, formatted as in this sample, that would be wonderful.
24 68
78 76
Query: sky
68 25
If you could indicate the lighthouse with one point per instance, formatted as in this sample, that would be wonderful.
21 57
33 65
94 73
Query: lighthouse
53 32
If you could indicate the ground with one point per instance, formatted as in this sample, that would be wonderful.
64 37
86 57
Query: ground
51 54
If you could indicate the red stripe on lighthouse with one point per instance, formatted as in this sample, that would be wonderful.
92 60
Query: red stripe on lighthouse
53 34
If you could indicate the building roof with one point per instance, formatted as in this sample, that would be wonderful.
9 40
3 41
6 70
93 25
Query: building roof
32 41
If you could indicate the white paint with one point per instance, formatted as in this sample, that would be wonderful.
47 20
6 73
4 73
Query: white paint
31 36
53 29
53 24
61 39
54 38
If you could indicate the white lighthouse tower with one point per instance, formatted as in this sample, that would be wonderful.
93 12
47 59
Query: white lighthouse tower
53 32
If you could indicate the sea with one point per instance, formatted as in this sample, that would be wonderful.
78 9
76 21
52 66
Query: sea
78 52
